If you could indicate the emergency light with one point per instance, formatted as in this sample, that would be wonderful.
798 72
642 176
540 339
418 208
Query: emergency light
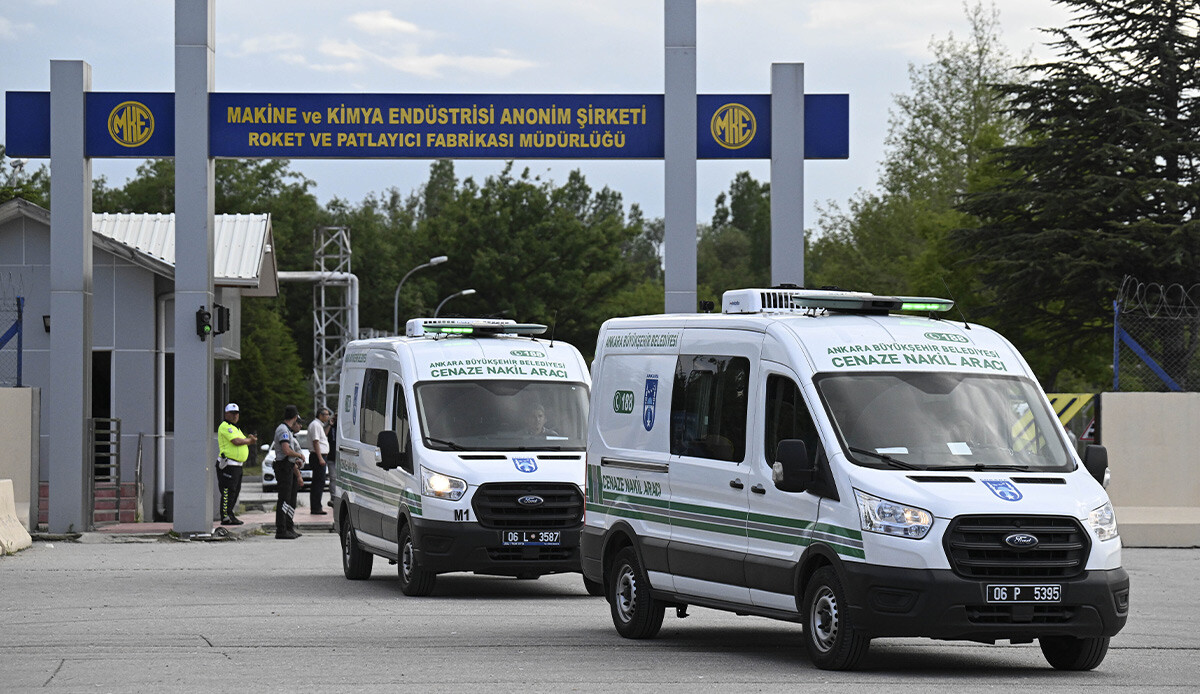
421 327
805 300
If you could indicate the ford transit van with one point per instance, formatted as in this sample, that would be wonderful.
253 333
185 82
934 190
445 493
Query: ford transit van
859 464
460 448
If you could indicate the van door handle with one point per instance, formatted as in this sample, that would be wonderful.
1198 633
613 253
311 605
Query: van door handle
736 484
758 489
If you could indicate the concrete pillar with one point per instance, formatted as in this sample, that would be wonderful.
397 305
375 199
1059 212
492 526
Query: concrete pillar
679 156
195 452
787 173
69 394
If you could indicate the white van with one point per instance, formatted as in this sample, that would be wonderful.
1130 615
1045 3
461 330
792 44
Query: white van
822 458
442 461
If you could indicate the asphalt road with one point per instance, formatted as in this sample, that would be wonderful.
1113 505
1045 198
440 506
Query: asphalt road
257 614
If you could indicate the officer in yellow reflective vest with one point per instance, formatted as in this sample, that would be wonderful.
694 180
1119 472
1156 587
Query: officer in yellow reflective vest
234 450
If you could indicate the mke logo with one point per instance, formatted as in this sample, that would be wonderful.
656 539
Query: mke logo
733 126
131 124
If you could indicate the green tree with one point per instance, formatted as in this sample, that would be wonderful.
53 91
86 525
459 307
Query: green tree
1103 183
896 240
268 376
16 181
735 250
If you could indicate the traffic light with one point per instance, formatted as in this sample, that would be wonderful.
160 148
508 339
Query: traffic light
222 319
203 323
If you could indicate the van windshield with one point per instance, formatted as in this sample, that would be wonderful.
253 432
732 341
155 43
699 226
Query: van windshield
503 415
944 421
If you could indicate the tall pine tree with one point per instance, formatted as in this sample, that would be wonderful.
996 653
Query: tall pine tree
1103 184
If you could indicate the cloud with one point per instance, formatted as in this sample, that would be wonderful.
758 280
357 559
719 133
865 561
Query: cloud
382 22
436 65
268 43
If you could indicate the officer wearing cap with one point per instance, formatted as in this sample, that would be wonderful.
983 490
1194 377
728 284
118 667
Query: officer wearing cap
234 450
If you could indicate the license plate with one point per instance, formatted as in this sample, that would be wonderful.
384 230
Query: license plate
531 537
1024 593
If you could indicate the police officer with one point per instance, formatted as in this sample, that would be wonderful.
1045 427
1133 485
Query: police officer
234 450
288 460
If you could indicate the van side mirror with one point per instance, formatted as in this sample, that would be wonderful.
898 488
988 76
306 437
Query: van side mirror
1095 459
792 471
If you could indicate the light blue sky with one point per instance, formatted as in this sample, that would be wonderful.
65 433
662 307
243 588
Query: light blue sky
859 47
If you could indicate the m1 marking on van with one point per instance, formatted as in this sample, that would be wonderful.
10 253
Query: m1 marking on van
624 401
946 337
650 401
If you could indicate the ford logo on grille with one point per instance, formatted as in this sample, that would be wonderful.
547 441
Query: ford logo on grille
1021 541
532 500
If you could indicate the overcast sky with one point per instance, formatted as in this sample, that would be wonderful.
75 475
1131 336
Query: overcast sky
859 47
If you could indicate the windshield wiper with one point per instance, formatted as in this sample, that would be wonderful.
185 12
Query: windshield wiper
885 458
449 444
982 467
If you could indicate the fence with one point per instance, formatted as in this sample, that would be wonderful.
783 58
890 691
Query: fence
12 311
1156 336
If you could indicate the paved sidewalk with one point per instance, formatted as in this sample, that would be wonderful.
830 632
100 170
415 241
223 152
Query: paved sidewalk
255 522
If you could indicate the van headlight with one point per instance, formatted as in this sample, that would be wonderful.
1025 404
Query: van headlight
436 484
1104 522
877 515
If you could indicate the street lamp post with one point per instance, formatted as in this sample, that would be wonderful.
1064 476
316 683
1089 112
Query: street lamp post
438 260
465 292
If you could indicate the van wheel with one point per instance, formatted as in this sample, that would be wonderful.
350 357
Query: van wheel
414 580
830 638
356 562
594 588
1070 653
635 614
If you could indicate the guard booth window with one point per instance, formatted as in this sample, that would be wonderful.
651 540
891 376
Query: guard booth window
372 416
708 407
788 418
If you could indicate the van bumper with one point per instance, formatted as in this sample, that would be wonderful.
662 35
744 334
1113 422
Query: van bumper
443 547
892 601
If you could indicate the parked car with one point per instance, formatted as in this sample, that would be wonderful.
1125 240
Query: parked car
268 465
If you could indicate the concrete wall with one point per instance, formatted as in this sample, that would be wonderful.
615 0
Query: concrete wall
1155 465
1152 451
18 441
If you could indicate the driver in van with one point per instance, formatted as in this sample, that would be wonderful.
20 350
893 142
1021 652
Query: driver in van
535 422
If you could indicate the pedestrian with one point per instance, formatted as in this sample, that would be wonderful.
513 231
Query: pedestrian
234 449
288 460
331 459
318 446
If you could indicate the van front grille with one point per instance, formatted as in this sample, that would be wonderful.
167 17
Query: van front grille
497 505
976 547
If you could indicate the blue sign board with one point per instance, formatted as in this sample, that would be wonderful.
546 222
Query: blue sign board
428 126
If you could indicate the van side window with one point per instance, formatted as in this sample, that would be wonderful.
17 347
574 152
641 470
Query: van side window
788 418
374 406
708 407
400 416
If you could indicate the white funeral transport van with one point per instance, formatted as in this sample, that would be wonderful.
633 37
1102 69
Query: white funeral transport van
824 458
461 448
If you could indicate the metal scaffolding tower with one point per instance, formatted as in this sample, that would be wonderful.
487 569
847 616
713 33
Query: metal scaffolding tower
335 311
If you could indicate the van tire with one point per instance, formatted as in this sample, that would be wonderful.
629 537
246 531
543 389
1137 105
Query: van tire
1071 653
594 588
635 613
414 580
830 638
356 562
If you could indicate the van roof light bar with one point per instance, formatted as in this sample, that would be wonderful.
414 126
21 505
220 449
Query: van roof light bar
744 301
420 327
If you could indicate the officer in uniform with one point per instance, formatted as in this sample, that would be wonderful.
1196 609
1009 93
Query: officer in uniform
288 460
234 450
